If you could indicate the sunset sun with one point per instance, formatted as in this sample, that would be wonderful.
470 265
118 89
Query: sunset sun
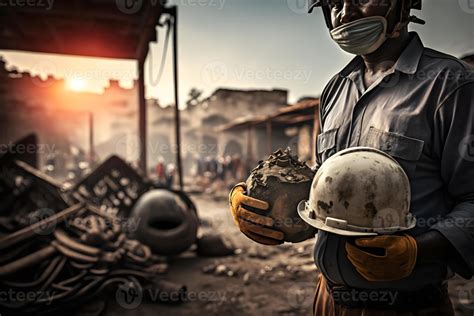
76 84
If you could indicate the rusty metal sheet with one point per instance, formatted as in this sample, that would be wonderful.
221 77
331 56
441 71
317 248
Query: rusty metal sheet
26 194
114 187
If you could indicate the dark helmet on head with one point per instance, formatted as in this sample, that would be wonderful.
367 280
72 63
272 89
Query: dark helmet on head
324 4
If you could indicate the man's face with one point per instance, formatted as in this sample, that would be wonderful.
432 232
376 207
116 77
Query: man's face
345 11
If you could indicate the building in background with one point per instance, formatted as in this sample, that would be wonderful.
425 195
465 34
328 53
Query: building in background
61 117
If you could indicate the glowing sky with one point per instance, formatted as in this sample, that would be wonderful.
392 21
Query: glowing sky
249 44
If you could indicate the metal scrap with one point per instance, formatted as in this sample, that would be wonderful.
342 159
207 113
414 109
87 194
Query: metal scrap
114 187
75 269
72 242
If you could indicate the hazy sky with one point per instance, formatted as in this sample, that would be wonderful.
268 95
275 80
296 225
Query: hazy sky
251 44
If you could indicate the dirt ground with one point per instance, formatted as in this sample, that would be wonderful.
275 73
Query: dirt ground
259 280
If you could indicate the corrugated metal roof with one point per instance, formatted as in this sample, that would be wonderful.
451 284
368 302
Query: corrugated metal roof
299 113
94 28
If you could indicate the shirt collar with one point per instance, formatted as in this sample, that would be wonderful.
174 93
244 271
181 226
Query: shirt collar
407 62
410 58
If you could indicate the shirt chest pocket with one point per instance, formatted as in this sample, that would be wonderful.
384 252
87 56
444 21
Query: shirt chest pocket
406 150
326 144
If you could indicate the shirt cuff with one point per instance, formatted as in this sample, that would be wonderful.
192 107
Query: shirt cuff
458 229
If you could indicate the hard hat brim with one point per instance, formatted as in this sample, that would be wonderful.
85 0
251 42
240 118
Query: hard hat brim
303 212
356 231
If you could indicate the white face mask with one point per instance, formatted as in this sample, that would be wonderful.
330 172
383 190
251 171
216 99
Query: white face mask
362 36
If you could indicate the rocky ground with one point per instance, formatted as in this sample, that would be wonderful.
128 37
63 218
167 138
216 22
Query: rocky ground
259 280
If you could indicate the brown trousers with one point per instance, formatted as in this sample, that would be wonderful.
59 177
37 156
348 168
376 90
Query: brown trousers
324 306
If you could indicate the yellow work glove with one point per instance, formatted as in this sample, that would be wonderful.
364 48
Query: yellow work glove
254 226
396 263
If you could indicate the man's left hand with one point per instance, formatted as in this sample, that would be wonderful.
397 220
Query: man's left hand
396 262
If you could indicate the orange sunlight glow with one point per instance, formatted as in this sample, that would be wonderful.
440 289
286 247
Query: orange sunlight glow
76 84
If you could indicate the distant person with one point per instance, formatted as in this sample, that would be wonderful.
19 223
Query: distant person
228 167
213 167
160 171
221 167
170 172
201 166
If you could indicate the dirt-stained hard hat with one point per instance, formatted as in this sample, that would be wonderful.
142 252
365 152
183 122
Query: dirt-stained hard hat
282 181
359 191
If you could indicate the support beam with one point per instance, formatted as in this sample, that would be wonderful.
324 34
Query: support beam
91 138
174 12
67 26
142 116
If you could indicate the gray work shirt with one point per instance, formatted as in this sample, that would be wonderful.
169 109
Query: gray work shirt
421 113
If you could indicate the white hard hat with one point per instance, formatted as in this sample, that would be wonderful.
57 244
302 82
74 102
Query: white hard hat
359 191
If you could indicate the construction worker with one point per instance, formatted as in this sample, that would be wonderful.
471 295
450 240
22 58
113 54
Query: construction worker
416 105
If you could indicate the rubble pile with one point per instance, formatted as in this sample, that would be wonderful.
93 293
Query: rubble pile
68 243
71 256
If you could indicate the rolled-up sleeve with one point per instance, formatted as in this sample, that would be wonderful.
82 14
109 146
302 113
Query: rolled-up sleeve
454 146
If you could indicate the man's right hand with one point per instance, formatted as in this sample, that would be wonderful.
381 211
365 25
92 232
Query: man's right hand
254 226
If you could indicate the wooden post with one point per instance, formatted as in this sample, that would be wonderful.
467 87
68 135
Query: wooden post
91 138
176 97
142 116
